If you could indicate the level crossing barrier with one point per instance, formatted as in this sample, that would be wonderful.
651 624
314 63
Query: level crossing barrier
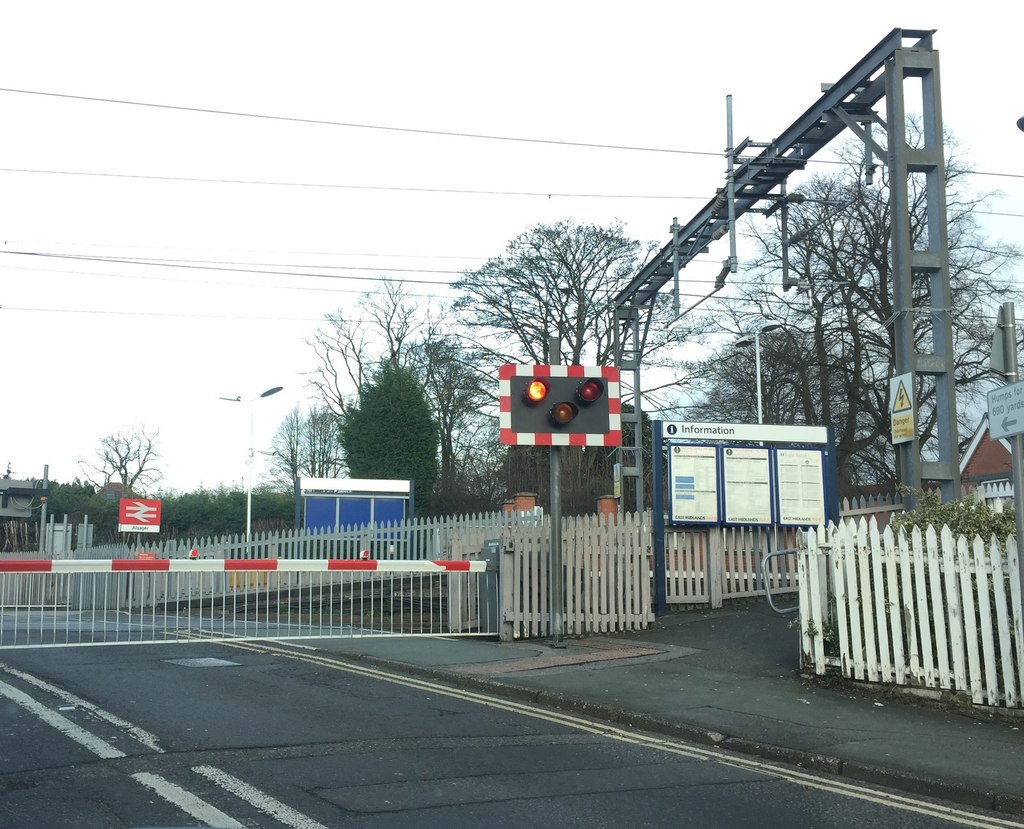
46 603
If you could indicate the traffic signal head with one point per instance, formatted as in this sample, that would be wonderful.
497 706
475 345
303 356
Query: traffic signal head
560 405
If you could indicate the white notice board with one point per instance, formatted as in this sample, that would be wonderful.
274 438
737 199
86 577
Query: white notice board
801 487
746 478
693 473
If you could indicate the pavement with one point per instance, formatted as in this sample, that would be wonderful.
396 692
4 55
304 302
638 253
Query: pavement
730 677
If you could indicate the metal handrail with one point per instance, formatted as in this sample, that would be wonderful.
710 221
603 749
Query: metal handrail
764 578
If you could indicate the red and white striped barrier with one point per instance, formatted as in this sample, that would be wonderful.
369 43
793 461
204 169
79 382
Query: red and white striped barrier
229 565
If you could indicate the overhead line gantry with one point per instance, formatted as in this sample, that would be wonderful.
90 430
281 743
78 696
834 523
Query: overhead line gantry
751 181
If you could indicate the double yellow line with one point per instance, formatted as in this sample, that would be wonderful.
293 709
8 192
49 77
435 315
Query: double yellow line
953 815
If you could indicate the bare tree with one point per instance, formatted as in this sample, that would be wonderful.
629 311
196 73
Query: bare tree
554 280
305 444
349 350
457 391
128 457
341 349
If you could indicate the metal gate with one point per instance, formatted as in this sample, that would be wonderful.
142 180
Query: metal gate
48 603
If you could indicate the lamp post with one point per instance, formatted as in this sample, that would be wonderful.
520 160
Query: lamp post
754 338
248 488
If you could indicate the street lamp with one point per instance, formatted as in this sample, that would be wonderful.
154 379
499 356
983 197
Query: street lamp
248 488
754 337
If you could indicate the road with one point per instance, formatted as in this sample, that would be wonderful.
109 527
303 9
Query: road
272 735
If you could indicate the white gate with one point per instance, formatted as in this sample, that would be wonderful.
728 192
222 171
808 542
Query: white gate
606 577
707 565
46 603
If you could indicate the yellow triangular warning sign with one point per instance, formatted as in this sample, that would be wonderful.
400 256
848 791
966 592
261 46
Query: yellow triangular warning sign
902 402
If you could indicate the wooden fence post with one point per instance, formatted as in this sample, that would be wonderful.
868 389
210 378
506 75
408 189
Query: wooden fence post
715 567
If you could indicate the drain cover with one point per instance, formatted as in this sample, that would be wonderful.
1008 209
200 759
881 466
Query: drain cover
202 662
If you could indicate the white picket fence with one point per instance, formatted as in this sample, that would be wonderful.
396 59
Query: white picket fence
879 507
706 565
609 571
606 578
922 609
413 539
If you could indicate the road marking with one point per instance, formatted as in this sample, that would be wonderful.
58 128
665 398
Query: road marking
258 799
61 723
297 820
174 794
293 644
138 734
189 803
672 746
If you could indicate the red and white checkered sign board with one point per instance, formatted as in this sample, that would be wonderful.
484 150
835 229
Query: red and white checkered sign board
610 375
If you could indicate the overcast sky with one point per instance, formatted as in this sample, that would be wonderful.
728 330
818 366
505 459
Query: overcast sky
198 185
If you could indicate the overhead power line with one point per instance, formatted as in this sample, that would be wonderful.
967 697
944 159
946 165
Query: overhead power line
157 314
125 246
369 187
397 129
386 188
395 188
167 261
219 283
205 267
353 125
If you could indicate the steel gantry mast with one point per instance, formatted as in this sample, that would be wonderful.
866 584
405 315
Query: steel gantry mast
849 103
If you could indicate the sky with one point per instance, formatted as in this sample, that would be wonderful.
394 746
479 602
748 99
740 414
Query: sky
187 189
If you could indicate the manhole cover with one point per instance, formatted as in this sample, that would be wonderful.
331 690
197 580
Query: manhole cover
202 662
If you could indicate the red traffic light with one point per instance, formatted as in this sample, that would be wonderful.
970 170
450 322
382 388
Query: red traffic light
535 392
590 390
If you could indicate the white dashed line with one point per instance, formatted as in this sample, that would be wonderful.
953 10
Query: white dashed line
138 734
90 741
259 800
186 801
